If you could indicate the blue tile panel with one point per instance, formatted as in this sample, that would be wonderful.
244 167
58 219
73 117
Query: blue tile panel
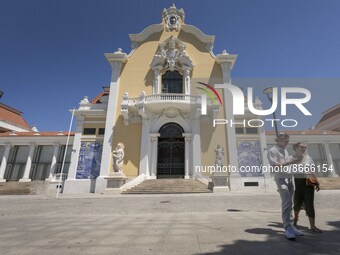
90 156
249 154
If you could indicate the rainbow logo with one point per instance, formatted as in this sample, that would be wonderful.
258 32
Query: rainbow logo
210 91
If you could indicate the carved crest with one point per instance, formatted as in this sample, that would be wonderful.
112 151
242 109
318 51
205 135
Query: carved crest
172 18
171 55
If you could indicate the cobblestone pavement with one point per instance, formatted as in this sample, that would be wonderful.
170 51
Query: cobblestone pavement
232 223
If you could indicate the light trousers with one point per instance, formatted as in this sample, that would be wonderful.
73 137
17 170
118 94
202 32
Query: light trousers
286 189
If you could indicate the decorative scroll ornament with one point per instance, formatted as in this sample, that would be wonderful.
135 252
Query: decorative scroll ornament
171 55
171 112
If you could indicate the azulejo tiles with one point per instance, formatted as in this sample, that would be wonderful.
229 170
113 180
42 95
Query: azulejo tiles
249 154
89 160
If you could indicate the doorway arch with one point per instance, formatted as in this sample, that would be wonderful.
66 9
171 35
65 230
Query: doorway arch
171 149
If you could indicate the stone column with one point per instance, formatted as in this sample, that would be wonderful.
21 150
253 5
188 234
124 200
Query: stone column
54 162
187 81
196 147
187 138
156 81
75 149
226 61
231 134
4 162
144 163
28 166
116 60
329 161
154 154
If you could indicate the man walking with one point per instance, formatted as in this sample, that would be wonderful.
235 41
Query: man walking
280 162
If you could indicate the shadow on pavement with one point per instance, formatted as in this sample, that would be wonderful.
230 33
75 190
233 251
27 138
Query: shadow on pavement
326 243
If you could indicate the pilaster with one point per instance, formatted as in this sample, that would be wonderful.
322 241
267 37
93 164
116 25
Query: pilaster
196 147
144 163
156 81
329 160
75 149
116 60
4 162
187 138
154 155
227 61
54 161
28 166
187 81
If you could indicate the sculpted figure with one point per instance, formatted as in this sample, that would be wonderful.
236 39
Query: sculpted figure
160 57
172 54
183 58
117 157
219 156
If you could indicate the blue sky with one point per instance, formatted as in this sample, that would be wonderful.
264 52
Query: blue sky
52 52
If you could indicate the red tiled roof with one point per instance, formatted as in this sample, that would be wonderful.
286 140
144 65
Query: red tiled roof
106 92
330 116
53 133
306 132
12 116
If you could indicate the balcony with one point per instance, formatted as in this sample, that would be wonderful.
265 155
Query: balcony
134 110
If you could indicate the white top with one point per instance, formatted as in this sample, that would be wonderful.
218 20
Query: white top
303 169
277 156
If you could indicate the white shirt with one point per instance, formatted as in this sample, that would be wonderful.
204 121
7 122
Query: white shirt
278 156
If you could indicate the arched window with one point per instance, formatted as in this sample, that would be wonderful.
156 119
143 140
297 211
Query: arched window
172 82
171 130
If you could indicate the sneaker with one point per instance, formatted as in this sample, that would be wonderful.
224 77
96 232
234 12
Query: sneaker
296 231
289 233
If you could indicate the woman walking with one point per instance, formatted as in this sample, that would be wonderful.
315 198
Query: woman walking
305 184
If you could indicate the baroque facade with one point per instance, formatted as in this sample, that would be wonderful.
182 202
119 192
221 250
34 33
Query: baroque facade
160 107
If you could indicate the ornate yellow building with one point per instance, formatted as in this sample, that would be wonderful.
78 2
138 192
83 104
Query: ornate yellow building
154 107
156 121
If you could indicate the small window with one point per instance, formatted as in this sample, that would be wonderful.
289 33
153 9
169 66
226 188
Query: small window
89 131
239 130
251 184
251 130
101 131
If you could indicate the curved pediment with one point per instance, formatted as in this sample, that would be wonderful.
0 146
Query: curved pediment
208 40
173 19
136 39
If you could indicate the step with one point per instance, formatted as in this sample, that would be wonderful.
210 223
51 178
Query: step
15 188
169 186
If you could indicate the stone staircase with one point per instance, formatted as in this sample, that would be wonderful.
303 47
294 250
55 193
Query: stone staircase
169 186
15 188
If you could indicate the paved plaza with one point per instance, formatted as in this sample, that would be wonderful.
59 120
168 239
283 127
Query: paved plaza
232 223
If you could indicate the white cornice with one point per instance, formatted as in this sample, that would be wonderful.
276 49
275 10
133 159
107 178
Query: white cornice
116 57
38 140
11 127
136 39
226 58
93 112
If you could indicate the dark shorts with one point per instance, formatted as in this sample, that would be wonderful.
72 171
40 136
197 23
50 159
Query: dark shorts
304 195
